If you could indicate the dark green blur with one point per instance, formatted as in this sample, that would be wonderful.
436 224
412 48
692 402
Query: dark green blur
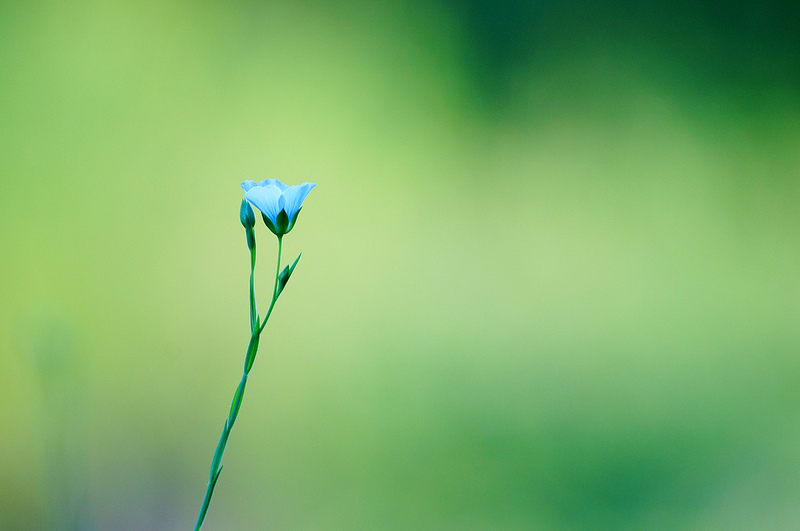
550 274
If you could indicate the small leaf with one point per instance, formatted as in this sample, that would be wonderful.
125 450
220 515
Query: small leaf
237 401
283 278
281 223
252 349
223 441
286 273
269 224
207 500
293 220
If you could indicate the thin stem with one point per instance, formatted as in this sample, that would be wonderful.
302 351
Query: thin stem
253 310
275 288
238 397
277 268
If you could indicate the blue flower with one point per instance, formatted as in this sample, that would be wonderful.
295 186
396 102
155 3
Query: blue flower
279 203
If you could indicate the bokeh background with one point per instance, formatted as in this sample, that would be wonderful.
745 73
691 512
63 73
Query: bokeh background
550 274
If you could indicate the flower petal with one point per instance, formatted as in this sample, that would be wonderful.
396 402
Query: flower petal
294 196
267 199
248 184
273 182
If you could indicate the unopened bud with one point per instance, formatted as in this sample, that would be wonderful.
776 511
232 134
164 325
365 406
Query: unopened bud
246 215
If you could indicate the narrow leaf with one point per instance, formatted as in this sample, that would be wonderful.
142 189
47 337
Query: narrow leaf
283 279
252 349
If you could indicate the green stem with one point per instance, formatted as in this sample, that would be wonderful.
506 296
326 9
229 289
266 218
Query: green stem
238 397
253 311
275 288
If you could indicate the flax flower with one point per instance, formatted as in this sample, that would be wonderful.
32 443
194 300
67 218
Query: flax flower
279 203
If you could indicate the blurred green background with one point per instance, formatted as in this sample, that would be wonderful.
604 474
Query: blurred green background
550 275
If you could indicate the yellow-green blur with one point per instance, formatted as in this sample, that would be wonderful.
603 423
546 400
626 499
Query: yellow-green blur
550 275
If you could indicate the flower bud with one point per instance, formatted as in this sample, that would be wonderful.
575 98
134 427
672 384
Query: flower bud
246 215
248 219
